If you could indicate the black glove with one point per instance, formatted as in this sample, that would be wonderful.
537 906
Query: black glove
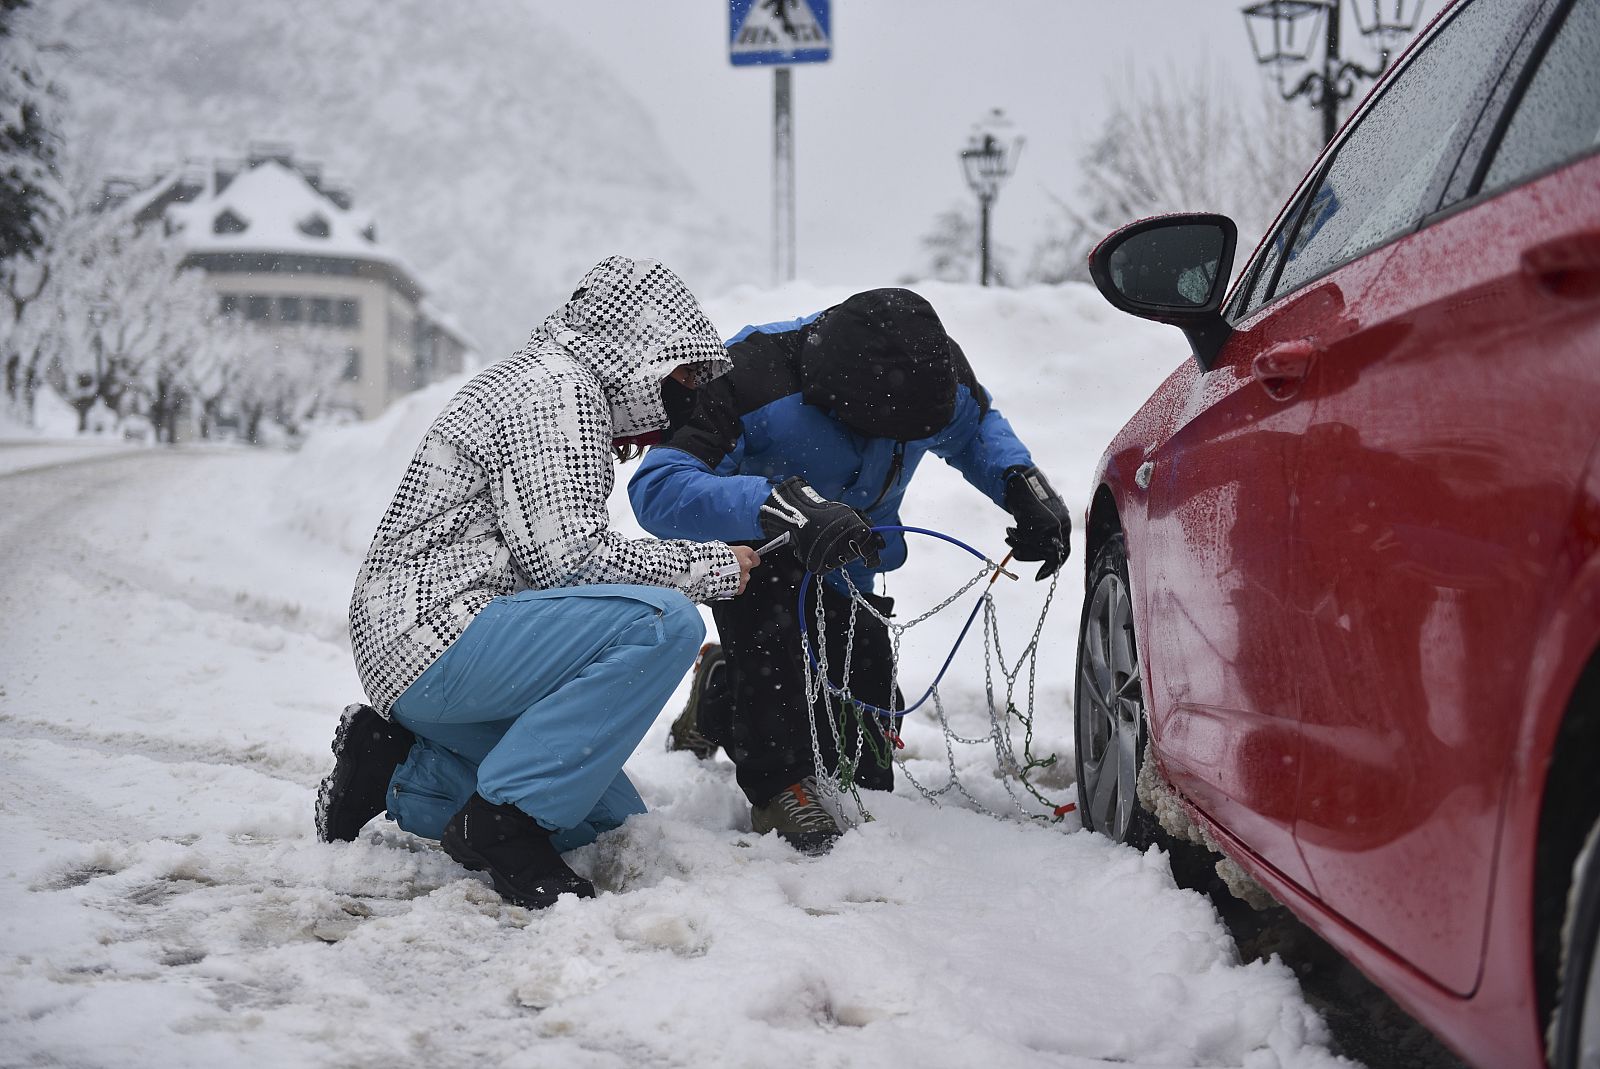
824 534
1044 525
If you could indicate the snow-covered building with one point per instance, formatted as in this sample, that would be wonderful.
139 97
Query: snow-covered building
283 248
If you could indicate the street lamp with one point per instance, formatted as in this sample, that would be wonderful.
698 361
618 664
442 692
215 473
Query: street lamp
1283 33
987 161
98 313
85 388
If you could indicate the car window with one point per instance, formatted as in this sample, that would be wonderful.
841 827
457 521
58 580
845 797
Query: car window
1270 254
1558 117
1373 189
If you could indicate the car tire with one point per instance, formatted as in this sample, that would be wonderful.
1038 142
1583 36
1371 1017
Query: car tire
1108 701
1575 1032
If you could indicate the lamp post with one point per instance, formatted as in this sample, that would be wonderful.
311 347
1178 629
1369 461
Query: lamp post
1284 33
987 161
86 388
98 313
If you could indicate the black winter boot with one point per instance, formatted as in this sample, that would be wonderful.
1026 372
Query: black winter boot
514 850
366 751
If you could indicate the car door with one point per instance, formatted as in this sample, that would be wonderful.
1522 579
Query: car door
1228 661
1450 422
1216 547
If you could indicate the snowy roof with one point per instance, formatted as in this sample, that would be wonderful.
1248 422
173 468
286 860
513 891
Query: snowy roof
273 208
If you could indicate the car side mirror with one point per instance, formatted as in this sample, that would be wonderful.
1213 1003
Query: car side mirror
1172 269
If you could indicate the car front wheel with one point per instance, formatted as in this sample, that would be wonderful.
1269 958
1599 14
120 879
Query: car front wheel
1109 705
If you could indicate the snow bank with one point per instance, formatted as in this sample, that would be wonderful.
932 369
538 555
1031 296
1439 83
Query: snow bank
342 478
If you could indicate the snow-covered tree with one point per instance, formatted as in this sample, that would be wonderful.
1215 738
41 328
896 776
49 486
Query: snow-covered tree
951 249
189 330
50 336
1058 255
1185 142
30 191
110 322
209 374
281 377
952 246
28 195
122 326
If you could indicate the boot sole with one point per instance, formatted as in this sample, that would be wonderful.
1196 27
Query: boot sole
329 784
334 785
810 843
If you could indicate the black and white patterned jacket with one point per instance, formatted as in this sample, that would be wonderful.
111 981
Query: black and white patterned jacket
508 489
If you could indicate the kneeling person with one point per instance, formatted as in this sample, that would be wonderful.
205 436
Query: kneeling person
514 647
816 432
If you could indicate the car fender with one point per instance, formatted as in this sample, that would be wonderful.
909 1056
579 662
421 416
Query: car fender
1563 650
1118 471
1568 641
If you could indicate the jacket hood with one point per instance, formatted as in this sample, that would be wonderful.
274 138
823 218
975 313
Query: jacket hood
632 322
883 364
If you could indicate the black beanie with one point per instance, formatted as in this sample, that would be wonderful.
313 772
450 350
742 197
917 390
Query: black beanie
883 364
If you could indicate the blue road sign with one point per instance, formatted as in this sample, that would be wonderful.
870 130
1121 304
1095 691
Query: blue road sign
778 32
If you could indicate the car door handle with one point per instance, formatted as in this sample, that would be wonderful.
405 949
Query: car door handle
1282 368
1568 266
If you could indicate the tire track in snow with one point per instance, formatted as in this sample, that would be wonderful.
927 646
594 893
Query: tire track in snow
291 765
43 500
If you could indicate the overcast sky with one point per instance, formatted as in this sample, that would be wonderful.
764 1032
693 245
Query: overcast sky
878 128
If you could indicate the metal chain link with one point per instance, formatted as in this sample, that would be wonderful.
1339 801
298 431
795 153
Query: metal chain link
839 781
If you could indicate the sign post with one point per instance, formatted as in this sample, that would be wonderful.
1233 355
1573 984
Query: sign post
779 34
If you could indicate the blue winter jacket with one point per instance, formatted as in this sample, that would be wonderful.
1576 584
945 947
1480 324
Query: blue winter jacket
753 427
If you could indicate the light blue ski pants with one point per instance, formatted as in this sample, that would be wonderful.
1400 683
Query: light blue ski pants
539 703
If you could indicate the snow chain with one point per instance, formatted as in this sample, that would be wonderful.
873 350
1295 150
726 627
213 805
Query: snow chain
840 708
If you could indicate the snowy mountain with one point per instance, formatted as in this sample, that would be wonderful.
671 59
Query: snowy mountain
496 154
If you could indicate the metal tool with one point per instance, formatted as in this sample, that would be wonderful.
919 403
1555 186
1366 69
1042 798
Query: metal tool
781 540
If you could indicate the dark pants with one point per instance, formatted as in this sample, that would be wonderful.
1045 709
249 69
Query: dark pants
761 720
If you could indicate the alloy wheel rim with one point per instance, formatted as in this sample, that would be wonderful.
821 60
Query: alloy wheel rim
1108 729
1588 1040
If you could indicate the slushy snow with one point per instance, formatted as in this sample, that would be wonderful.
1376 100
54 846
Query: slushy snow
172 635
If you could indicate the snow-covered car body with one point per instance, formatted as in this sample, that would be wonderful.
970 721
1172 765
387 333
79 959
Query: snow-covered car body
1361 533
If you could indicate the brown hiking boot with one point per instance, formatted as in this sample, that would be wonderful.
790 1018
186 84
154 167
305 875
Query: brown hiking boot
709 684
798 818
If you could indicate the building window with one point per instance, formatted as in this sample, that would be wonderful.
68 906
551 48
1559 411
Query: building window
400 333
229 222
319 310
289 310
424 350
349 313
229 306
257 307
314 225
352 364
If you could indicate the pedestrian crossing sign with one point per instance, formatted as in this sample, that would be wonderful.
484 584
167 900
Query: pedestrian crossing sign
778 32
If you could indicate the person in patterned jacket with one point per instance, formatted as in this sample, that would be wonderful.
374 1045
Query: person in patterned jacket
816 433
514 647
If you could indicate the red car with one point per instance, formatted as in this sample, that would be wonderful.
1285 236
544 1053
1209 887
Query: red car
1343 600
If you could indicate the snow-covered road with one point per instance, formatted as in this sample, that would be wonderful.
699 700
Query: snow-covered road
172 661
